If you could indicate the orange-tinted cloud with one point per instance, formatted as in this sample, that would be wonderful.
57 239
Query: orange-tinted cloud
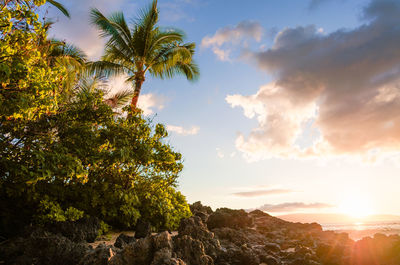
346 83
259 193
293 206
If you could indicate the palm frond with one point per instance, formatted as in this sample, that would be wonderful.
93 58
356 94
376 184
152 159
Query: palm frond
164 38
105 68
119 99
145 28
109 28
189 70
60 7
175 60
68 51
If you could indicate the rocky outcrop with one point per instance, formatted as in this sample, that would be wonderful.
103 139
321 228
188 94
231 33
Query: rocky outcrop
123 240
225 217
142 229
83 230
223 237
41 248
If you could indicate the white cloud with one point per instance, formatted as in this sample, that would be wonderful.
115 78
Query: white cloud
183 131
220 154
232 35
346 83
150 102
78 29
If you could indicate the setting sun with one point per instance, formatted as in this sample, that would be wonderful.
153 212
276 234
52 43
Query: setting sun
356 206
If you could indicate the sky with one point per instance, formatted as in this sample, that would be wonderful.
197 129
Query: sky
296 108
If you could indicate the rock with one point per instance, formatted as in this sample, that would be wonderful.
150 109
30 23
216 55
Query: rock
272 247
162 240
198 207
195 228
123 240
85 229
98 256
201 211
139 253
225 217
151 250
142 229
191 251
42 247
270 260
238 256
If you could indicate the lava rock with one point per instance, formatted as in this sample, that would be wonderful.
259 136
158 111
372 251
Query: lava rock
123 240
41 248
101 255
85 229
225 217
142 229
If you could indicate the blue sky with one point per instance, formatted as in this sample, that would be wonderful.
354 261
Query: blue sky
295 109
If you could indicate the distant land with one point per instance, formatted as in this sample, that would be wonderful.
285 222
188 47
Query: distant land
329 218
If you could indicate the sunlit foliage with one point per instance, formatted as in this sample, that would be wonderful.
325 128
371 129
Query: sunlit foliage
64 154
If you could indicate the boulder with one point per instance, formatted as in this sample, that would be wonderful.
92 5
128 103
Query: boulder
139 253
191 251
101 255
142 229
85 229
196 229
201 211
123 240
41 248
225 217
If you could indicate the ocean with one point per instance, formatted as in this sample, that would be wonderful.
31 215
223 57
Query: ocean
359 230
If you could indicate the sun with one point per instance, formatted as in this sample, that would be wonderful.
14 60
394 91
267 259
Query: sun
356 206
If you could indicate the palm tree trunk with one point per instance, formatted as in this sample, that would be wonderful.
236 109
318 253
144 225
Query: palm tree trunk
136 93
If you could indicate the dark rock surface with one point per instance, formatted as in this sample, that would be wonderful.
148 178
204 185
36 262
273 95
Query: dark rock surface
223 237
86 229
142 229
225 217
41 248
123 240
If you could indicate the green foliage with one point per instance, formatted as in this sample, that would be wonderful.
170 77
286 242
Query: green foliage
143 47
104 229
50 211
29 86
64 154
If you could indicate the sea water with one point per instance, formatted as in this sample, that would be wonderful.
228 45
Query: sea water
359 230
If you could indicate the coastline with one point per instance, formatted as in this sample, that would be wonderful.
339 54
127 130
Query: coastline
220 237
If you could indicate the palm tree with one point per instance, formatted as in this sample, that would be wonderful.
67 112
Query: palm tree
142 47
88 84
59 7
63 54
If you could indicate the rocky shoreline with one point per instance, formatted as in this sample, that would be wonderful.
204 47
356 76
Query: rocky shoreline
223 237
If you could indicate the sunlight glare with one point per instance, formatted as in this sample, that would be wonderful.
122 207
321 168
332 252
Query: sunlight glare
356 206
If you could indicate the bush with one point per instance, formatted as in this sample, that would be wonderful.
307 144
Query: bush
65 155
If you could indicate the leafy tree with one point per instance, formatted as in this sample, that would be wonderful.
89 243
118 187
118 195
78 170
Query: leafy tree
58 5
143 47
64 154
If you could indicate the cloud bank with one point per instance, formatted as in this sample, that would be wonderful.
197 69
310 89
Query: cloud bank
346 83
260 193
244 30
183 131
293 206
